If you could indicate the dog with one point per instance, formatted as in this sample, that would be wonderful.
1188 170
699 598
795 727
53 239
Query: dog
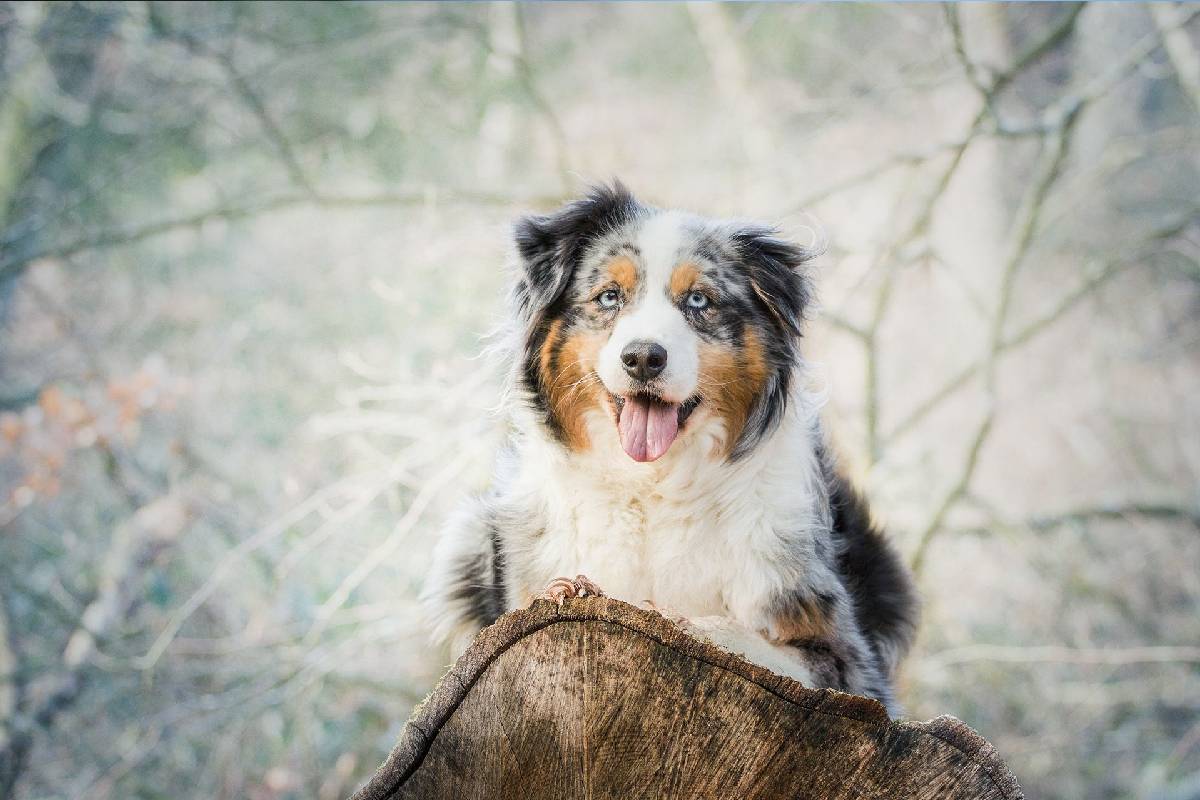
664 444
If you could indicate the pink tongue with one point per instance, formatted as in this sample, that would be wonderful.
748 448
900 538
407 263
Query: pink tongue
647 428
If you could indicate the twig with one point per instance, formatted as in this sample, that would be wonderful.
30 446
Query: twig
955 494
883 295
1125 511
229 213
1056 35
874 171
231 559
964 376
1056 654
287 153
1120 69
391 544
14 746
529 83
951 13
1046 172
135 547
223 60
841 323
1060 121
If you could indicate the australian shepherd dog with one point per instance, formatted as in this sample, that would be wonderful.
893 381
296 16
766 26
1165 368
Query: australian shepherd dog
664 444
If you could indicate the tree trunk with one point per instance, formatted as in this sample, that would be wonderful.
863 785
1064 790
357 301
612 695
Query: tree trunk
602 699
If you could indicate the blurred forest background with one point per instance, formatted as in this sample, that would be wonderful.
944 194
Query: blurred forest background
247 252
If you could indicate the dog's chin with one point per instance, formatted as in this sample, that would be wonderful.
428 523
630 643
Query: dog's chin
648 424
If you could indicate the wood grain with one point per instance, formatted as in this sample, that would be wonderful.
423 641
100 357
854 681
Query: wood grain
600 699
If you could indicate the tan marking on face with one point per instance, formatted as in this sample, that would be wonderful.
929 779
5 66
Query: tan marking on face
623 272
731 381
683 278
548 346
570 382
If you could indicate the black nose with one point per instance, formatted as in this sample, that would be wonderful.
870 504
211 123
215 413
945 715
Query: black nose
644 360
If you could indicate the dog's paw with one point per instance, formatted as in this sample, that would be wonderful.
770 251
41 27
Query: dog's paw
562 589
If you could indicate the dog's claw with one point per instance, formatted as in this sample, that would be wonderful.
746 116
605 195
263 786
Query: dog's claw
562 589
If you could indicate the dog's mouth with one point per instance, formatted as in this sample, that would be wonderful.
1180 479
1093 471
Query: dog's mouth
648 425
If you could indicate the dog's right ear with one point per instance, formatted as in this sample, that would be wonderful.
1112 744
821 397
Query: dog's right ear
551 246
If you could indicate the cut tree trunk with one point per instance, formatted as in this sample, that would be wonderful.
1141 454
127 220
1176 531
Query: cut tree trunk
602 699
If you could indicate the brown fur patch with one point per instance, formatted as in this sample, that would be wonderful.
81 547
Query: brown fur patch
730 382
623 273
567 371
684 278
803 618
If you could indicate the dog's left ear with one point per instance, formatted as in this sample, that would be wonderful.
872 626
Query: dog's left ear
777 274
551 246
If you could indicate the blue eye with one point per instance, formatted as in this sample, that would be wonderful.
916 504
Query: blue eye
609 299
698 300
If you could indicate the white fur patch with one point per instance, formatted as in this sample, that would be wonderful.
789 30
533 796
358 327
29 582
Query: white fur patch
691 531
750 645
654 317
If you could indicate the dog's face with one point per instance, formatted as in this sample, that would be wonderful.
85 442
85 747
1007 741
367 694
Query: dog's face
655 319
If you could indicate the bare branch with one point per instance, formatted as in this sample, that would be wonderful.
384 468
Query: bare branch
955 494
874 171
135 546
14 745
246 548
1053 38
883 295
730 75
1063 118
951 12
839 322
1100 85
963 377
392 543
139 233
1055 654
1106 513
529 83
1046 172
1170 19
274 134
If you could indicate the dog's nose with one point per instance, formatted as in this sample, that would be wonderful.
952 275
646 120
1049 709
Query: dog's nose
644 360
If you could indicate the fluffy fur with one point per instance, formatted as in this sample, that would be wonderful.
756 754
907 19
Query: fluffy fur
742 524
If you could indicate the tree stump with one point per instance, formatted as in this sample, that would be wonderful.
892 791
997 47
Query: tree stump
599 698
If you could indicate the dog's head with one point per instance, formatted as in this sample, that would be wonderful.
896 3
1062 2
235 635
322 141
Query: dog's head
655 320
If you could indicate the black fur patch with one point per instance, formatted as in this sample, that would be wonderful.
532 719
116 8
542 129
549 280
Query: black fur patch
885 600
781 294
777 274
827 665
481 582
551 245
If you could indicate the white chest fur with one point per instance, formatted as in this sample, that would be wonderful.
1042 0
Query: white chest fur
691 532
